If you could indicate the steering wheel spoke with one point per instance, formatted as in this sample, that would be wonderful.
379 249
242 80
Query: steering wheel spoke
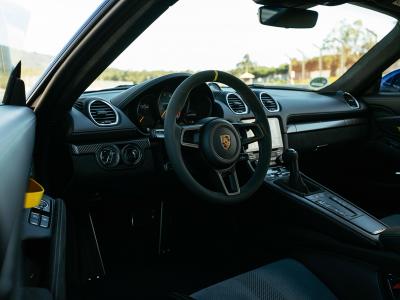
190 135
229 181
255 135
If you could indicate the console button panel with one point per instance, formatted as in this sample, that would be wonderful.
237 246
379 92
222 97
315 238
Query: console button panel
346 210
333 204
328 201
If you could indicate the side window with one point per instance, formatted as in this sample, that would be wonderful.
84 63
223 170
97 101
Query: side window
390 82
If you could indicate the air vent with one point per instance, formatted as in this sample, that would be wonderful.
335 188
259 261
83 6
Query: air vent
236 104
350 100
102 113
269 103
79 105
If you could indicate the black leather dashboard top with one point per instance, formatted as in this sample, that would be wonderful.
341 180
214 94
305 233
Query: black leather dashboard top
294 106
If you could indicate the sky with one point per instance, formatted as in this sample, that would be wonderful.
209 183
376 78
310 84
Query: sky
190 35
42 26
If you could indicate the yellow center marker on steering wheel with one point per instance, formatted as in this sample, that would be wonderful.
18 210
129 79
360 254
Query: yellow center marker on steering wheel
216 75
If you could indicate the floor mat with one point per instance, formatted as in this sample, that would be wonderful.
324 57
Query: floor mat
200 255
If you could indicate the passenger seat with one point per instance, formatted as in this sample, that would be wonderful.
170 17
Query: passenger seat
392 220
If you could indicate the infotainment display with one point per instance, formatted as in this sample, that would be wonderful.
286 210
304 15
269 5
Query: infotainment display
276 135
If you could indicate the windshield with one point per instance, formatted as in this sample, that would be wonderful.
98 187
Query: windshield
34 32
226 35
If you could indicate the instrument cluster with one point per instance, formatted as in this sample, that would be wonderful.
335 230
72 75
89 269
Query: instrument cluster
148 111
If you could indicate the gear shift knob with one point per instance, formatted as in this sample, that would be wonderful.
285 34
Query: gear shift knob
290 155
291 160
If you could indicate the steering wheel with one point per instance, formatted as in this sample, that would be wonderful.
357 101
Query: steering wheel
218 140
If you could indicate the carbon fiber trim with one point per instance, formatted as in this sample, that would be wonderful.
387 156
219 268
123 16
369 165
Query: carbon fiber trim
93 148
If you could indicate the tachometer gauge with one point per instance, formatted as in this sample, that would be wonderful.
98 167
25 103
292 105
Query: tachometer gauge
163 101
199 106
145 113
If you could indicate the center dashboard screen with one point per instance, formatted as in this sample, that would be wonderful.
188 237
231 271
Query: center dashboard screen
276 135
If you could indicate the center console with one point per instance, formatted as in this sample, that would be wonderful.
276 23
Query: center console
285 177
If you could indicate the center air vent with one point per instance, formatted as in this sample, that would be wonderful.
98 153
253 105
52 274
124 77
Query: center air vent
102 113
236 104
350 100
269 103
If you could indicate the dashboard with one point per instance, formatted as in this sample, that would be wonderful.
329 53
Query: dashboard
120 131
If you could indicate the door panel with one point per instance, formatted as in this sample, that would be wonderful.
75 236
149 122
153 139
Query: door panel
385 110
389 102
383 153
17 136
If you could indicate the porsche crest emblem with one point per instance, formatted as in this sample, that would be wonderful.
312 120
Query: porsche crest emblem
225 141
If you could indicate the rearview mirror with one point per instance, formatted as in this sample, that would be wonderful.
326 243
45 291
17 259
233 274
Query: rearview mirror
287 17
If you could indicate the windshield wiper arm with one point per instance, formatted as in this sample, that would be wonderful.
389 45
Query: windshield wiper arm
256 85
123 86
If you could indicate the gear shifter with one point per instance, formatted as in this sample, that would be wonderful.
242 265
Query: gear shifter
291 161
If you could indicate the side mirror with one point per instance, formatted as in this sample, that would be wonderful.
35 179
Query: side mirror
287 17
391 82
318 82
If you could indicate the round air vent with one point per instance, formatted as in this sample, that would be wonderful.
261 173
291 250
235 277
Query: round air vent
269 103
350 100
102 113
236 104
